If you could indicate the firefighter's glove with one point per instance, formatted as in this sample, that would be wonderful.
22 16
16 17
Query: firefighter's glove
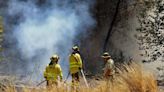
45 77
80 68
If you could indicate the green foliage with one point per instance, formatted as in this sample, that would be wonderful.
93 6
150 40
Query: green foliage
151 37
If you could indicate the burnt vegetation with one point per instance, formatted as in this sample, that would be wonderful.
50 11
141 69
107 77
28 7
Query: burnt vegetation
151 30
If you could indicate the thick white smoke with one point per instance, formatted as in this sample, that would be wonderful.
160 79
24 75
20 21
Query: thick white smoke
49 29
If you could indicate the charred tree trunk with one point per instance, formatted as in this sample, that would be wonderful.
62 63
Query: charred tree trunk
111 26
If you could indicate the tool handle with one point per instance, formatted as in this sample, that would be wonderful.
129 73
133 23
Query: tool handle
67 77
40 83
86 83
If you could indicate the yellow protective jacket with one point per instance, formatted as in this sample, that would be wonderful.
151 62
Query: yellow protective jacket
75 63
52 72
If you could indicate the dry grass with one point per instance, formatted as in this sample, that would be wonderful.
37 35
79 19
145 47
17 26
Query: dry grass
130 78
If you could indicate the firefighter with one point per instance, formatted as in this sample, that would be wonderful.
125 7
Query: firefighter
109 66
53 72
75 65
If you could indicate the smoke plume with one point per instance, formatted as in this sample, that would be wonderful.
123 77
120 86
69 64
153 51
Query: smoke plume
48 27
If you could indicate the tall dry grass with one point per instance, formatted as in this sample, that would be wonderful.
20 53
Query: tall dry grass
129 78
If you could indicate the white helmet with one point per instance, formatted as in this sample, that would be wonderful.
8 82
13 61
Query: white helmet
54 57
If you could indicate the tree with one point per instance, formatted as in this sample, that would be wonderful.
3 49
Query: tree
151 30
111 25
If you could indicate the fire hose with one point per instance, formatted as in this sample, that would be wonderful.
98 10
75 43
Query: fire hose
86 83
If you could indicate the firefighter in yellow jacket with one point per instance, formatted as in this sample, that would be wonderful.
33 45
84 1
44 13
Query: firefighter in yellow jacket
53 71
75 65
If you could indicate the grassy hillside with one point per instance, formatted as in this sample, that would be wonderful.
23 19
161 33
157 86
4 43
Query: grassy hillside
129 78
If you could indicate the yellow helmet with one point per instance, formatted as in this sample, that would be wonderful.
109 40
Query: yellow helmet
75 48
54 57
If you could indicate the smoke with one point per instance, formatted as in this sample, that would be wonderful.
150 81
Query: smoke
47 28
